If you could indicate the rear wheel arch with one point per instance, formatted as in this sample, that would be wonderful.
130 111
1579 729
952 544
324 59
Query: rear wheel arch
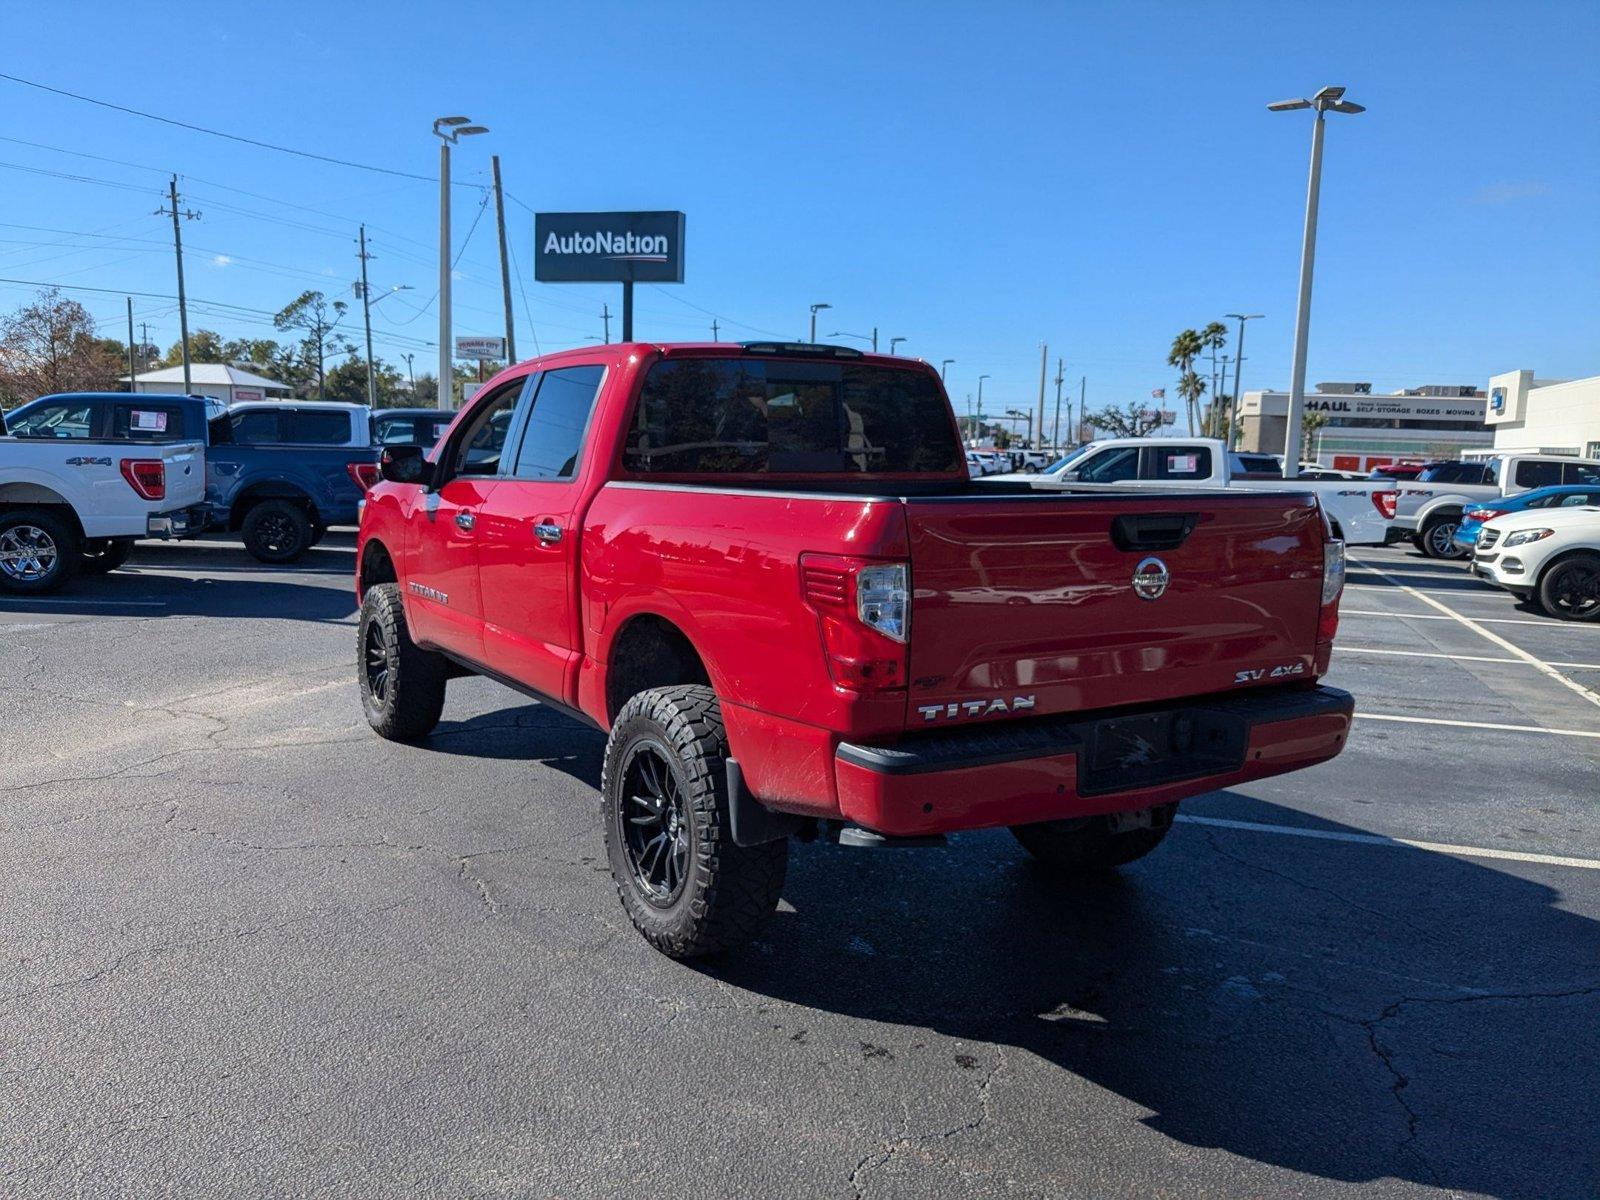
256 493
650 651
377 566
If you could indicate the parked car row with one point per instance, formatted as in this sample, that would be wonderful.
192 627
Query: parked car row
83 476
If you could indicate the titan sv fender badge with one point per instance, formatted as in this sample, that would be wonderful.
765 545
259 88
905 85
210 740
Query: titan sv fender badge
1150 578
423 590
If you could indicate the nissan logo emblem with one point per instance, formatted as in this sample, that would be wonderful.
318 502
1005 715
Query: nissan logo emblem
1150 579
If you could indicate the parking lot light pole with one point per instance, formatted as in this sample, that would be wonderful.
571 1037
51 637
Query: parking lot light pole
815 309
1329 99
447 130
895 341
979 425
942 367
1231 416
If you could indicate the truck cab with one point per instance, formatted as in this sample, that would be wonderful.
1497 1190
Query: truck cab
1430 508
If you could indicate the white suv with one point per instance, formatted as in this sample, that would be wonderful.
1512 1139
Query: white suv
1553 554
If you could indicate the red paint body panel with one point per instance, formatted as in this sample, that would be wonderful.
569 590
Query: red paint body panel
1012 596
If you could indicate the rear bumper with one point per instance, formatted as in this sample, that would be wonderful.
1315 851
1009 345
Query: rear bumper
1060 767
179 523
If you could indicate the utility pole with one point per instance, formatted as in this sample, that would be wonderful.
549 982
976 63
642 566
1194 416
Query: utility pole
505 269
1044 367
1238 366
366 317
131 371
177 245
1055 439
605 315
1083 411
144 340
412 373
715 331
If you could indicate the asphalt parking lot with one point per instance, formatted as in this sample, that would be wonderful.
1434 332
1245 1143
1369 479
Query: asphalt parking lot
249 948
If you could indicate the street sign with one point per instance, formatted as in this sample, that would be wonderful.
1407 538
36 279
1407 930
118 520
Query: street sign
480 347
613 247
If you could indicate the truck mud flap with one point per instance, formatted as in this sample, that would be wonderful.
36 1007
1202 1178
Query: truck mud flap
752 822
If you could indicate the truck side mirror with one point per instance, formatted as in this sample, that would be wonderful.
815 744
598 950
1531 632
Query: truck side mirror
405 464
1070 475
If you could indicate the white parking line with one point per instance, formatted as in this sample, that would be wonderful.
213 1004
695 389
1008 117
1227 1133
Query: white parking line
1343 649
1583 733
32 600
1544 667
1383 612
1375 839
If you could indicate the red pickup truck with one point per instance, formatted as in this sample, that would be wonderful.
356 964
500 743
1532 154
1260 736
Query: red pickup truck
764 572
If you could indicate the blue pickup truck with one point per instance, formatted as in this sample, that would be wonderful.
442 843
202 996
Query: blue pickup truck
278 473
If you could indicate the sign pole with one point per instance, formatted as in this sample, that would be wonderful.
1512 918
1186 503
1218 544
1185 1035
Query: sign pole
627 310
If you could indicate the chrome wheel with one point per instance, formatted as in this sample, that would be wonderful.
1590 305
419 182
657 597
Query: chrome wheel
375 661
28 553
655 824
1441 540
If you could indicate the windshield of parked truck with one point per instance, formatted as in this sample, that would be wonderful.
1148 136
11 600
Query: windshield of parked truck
779 416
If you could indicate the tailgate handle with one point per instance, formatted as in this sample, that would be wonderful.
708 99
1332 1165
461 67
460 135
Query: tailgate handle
1152 531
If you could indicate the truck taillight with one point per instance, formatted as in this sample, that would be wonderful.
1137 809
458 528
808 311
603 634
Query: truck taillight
363 474
1385 503
1333 571
863 609
147 476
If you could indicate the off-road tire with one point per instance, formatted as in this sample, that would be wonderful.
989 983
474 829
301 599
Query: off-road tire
1554 582
404 704
1087 844
1436 538
61 536
277 531
726 891
101 556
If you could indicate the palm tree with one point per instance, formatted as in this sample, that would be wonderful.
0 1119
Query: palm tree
1213 338
1191 387
1186 348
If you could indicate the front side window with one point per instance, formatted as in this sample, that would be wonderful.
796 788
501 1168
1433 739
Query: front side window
315 427
1111 466
759 416
478 450
70 420
1579 499
556 422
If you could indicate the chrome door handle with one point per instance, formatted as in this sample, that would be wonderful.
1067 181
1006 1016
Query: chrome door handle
547 533
466 520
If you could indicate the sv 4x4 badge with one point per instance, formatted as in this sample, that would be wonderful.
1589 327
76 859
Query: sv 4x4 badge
1286 671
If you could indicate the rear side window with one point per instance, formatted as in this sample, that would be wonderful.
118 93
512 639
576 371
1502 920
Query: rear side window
1181 462
70 420
560 414
1579 473
1532 474
746 415
252 427
313 427
147 422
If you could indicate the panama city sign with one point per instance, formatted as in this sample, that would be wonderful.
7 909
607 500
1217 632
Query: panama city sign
616 247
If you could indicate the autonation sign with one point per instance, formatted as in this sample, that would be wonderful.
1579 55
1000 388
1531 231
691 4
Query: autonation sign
616 247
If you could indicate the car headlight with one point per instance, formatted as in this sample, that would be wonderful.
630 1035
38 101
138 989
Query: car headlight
1523 536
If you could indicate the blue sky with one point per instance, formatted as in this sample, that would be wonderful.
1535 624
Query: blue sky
973 178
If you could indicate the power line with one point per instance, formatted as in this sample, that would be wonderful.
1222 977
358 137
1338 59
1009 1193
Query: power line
232 137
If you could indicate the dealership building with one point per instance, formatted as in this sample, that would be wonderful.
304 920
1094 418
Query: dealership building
1545 416
1365 430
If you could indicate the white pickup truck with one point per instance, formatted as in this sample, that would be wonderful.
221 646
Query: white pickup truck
1430 506
1360 512
71 500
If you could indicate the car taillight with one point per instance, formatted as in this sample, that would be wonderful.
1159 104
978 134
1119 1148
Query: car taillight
363 474
1486 514
863 609
147 476
1333 571
1385 503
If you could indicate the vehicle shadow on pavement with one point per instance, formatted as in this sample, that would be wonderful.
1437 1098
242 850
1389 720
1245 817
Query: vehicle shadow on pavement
1351 1012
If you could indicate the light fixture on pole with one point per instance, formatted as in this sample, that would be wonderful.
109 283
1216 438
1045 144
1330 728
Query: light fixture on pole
815 309
447 130
895 341
1232 415
942 365
1329 99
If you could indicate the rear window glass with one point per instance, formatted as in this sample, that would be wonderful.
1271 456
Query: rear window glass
311 427
743 415
409 429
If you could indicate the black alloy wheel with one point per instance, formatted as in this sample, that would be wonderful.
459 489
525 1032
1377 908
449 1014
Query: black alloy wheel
1571 589
375 661
655 823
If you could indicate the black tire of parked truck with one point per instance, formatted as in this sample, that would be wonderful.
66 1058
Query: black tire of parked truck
1088 844
277 531
683 882
1436 538
402 685
101 556
39 551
